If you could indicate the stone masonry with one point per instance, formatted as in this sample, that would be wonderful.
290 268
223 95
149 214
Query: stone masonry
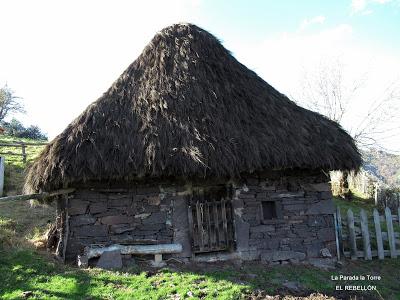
159 214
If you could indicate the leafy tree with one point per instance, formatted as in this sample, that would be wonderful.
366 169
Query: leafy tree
17 129
9 103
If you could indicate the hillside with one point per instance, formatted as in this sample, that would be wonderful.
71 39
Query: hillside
383 165
14 165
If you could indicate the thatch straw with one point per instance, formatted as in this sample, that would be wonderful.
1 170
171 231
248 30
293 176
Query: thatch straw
186 107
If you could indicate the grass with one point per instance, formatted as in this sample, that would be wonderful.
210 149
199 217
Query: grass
14 165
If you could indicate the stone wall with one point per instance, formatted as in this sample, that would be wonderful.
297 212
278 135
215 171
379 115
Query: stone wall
158 213
304 227
141 214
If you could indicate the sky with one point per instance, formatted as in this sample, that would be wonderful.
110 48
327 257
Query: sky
59 56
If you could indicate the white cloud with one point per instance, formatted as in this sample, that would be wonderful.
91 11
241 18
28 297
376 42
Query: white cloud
361 6
358 5
316 20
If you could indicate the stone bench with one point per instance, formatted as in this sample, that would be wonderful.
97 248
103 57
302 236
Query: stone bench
156 250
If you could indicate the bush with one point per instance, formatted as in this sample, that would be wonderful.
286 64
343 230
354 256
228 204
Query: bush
17 129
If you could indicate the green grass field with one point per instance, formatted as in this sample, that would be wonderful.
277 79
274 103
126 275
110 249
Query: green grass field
14 165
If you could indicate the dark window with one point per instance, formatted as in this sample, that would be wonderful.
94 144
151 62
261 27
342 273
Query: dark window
269 210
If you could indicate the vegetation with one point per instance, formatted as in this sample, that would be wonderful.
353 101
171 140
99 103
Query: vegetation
14 165
15 128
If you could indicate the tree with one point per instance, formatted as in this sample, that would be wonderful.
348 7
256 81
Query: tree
17 129
329 91
9 103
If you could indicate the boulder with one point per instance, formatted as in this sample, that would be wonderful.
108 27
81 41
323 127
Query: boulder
110 260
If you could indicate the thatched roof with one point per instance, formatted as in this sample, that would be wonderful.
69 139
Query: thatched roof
187 108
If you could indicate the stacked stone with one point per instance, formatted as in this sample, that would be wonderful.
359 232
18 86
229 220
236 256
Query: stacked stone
304 224
138 215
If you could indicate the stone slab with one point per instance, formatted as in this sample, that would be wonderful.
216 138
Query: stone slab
110 260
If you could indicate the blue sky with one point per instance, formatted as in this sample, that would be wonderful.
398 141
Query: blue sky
59 56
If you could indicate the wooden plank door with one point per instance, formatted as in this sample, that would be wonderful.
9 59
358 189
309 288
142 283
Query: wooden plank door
211 218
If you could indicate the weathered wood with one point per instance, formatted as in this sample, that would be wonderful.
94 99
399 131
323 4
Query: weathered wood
199 226
398 211
1 175
336 236
392 241
91 252
378 232
190 221
23 148
207 206
340 229
38 196
352 234
66 228
216 224
365 235
224 222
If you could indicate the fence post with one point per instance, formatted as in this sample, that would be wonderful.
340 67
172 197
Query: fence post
335 220
23 152
365 235
390 231
378 231
1 175
339 228
376 194
352 234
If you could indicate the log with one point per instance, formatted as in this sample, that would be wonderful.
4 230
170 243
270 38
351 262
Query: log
38 196
134 249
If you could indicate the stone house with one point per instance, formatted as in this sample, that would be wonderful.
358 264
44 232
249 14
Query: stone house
190 147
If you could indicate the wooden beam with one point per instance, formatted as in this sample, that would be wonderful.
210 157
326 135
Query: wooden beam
38 196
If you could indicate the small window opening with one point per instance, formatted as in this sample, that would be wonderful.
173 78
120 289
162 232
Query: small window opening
269 210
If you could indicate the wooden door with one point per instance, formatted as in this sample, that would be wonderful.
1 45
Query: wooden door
211 220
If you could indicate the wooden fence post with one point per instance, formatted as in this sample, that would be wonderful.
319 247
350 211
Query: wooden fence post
23 147
365 235
378 231
1 175
352 234
340 230
390 232
335 220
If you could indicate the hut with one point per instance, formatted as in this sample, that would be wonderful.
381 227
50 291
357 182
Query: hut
189 147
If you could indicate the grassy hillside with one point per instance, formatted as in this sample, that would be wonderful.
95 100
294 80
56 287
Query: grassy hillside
14 165
386 165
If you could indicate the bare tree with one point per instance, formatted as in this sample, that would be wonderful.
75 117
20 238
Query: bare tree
328 91
9 103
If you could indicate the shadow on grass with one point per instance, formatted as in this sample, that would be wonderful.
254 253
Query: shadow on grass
25 270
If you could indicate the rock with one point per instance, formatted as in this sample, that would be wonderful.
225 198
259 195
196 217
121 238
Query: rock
98 207
26 294
154 200
81 220
293 286
325 252
113 220
321 208
91 230
110 260
272 256
326 234
142 216
77 207
262 228
323 263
